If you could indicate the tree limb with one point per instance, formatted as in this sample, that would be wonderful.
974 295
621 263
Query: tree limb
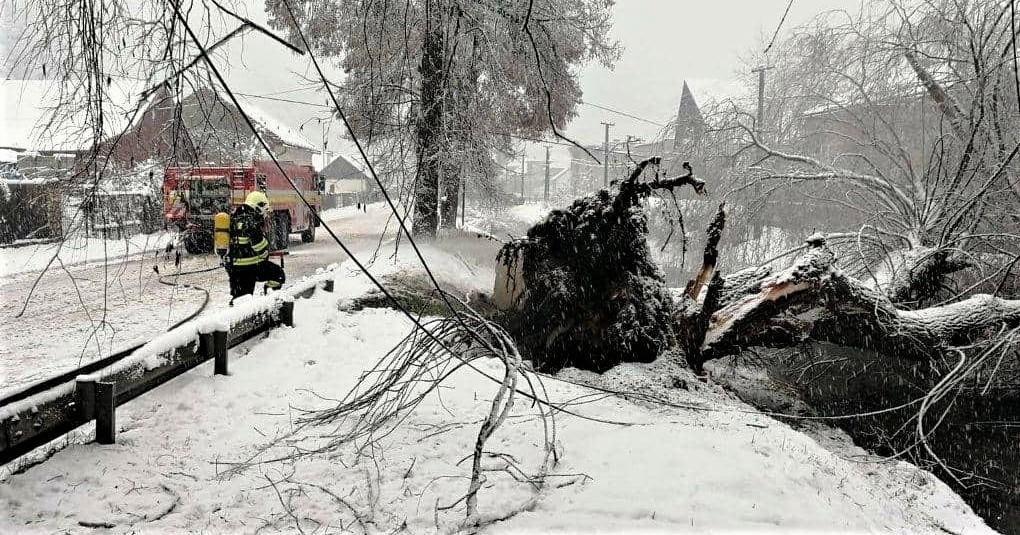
813 299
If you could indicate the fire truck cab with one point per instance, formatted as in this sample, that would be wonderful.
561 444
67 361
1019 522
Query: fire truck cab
192 196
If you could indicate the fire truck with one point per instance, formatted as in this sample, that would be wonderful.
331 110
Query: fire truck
193 195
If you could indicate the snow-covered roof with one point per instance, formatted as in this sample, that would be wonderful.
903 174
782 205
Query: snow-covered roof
142 179
259 116
286 134
29 181
28 106
344 166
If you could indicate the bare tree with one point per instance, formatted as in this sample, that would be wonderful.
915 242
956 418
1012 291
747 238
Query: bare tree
904 121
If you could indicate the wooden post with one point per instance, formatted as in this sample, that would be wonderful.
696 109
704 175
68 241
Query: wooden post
85 391
287 313
219 352
106 412
545 195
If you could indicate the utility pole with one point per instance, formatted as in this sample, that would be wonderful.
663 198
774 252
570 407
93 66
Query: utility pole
546 196
463 201
756 217
524 170
759 124
605 157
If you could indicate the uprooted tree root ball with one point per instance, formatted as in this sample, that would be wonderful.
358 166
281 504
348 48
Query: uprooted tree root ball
594 296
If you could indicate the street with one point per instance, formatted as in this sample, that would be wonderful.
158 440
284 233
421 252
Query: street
78 314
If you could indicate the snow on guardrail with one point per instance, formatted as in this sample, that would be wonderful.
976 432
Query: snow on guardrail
31 422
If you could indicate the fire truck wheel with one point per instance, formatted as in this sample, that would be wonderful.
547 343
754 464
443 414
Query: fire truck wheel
308 236
282 230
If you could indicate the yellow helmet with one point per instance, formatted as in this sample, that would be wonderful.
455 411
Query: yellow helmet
258 201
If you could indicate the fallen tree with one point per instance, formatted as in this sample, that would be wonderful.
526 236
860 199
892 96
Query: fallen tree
593 298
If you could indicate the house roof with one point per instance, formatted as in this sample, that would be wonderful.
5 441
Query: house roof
28 107
343 168
690 123
262 118
265 121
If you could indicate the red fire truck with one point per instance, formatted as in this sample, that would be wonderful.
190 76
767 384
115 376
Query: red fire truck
193 195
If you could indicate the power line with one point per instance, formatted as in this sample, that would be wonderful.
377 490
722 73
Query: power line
623 113
606 108
779 27
278 99
306 103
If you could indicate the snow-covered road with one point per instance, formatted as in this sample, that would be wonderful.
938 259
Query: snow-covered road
80 312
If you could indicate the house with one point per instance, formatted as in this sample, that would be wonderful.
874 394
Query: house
202 126
36 162
346 182
193 127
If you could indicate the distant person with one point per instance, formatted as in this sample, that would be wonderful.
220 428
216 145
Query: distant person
247 260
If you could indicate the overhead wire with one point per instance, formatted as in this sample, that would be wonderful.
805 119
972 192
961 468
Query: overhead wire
622 113
258 136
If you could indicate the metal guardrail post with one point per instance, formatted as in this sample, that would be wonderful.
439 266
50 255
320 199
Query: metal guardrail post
85 397
287 313
205 345
97 400
106 412
219 352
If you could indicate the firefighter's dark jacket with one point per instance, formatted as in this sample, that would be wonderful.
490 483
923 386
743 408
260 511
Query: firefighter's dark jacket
248 243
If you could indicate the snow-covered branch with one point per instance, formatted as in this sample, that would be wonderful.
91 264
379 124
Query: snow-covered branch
814 299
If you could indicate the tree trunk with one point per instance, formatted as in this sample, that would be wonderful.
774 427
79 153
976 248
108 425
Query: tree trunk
812 299
915 275
460 93
452 180
430 127
942 98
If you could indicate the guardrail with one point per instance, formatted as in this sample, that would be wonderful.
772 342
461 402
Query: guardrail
35 420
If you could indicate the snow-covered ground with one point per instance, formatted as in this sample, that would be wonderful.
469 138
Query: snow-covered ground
715 466
370 219
78 249
514 220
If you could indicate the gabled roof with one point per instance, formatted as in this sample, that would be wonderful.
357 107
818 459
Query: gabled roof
343 168
690 123
262 118
266 122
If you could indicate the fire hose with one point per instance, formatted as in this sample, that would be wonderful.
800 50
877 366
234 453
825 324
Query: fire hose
94 366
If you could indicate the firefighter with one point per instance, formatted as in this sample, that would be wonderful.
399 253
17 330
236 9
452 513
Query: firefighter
247 258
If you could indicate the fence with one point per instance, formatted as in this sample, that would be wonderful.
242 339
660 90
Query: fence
36 416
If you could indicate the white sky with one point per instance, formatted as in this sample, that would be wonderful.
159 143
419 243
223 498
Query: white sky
665 42
669 41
